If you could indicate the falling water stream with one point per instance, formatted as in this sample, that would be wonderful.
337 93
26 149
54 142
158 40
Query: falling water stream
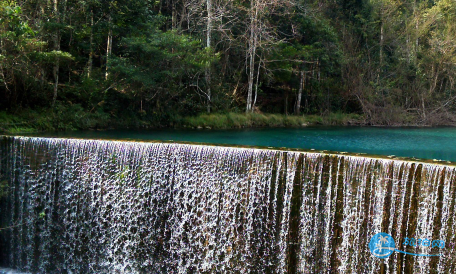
92 206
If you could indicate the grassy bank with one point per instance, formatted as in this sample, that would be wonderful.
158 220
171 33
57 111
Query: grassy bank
242 120
59 119
64 119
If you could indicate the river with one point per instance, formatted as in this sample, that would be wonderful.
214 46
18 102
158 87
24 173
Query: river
420 143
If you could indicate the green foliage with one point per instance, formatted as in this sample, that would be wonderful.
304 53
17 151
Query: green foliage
51 56
4 188
156 58
370 57
63 117
11 20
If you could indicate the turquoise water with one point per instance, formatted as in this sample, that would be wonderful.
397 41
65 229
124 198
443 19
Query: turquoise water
421 143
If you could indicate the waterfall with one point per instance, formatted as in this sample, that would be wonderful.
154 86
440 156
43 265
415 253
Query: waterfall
91 206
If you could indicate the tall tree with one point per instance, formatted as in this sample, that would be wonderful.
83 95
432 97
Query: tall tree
208 47
58 17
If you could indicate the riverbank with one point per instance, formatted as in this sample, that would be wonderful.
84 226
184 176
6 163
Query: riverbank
260 120
76 118
30 121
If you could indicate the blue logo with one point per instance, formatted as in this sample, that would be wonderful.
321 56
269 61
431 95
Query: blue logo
382 245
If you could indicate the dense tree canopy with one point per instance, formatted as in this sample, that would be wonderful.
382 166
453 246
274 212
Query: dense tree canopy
392 60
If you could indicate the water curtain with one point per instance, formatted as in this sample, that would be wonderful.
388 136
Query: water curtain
91 206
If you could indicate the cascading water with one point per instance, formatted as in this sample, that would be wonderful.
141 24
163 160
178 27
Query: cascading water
87 206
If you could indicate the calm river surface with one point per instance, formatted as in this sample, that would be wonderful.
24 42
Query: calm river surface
425 143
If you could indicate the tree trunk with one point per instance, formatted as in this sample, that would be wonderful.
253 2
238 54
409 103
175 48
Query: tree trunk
415 12
256 84
55 70
307 96
89 64
173 15
5 81
251 53
381 45
208 45
286 101
380 57
423 105
208 83
108 48
298 101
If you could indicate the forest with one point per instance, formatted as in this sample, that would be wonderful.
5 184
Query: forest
74 64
